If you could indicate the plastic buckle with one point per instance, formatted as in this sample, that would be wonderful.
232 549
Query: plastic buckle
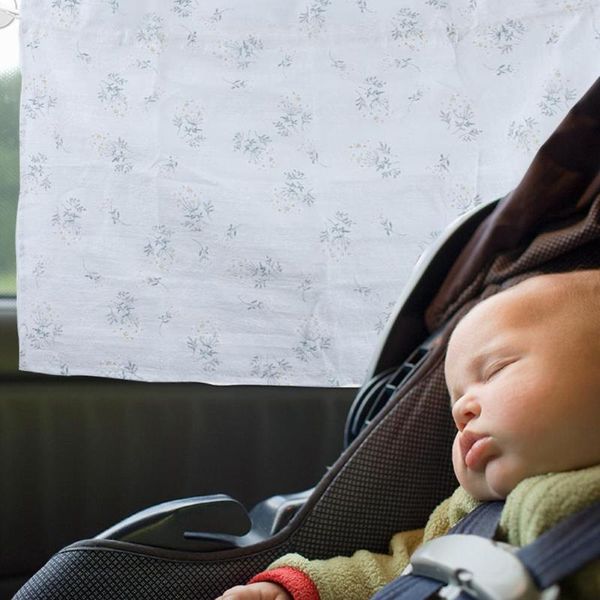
483 568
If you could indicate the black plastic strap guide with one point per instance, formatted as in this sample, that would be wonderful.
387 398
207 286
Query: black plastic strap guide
374 395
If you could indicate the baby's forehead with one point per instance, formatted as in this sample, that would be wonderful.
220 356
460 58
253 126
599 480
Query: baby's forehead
540 299
507 314
541 304
507 309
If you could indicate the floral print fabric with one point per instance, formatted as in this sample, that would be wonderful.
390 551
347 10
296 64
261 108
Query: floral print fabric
235 192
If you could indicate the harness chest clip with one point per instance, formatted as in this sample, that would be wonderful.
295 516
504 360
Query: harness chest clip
483 568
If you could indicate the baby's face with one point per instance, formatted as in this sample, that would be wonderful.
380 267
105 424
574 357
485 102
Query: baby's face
525 390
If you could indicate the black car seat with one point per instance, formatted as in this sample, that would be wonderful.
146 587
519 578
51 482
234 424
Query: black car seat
397 468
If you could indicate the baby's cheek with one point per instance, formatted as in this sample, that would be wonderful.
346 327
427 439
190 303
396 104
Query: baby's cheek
520 399
456 456
460 469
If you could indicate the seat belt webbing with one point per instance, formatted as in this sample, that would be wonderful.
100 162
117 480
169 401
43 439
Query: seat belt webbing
558 552
484 519
565 548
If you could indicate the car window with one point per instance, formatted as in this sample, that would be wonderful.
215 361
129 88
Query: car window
10 87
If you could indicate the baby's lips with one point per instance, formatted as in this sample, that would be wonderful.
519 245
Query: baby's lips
475 449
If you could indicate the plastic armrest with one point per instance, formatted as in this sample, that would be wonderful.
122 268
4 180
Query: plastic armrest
201 523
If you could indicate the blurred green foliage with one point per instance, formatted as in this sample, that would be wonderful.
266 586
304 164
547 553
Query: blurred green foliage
10 89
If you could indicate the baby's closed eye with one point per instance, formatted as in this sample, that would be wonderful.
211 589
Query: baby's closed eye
494 368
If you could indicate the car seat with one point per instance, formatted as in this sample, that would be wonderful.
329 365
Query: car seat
396 467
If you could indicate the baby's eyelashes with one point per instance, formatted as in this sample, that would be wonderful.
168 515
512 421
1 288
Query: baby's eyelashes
496 367
491 371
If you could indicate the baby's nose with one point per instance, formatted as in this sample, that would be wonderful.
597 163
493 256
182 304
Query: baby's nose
464 409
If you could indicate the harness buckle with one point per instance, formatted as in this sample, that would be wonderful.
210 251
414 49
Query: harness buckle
483 568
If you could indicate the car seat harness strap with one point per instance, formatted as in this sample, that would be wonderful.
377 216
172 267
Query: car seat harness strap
467 563
565 548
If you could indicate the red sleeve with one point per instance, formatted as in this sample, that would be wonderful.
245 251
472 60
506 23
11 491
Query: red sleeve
298 584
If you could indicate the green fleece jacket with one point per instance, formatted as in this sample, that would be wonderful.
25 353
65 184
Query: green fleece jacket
534 506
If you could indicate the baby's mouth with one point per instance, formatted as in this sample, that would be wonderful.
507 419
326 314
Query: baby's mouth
476 449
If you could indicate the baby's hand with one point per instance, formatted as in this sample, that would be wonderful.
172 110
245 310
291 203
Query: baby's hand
263 590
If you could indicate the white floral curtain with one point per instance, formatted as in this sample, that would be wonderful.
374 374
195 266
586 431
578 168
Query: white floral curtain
235 192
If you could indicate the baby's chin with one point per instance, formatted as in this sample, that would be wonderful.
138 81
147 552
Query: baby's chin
480 490
487 485
487 494
497 481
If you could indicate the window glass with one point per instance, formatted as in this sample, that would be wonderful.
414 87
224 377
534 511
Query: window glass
10 88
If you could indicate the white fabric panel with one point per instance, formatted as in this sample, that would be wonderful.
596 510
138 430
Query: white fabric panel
235 192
